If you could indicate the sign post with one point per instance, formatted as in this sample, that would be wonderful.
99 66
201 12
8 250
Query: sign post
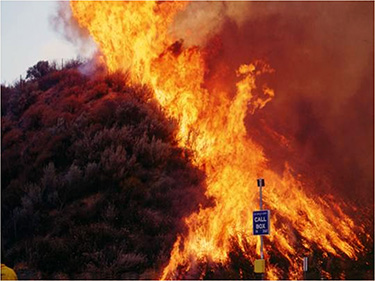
261 226
261 184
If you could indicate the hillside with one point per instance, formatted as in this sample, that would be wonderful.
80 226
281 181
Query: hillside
93 182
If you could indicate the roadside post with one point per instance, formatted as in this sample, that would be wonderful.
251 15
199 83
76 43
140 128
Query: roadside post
261 226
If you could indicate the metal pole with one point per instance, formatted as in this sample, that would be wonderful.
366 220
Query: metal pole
261 236
260 182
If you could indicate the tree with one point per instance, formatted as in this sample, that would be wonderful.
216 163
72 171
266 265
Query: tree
39 70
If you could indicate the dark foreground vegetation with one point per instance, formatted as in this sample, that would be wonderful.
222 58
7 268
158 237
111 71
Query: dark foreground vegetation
93 183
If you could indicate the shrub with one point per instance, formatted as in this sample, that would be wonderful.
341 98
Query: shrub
92 179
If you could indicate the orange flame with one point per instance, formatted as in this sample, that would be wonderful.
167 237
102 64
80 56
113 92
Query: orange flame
135 36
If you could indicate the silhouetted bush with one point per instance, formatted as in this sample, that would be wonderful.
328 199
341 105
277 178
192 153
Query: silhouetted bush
93 183
39 70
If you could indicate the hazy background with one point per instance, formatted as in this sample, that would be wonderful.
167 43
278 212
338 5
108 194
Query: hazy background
323 56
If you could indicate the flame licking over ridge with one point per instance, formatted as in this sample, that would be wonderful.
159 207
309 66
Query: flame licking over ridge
135 36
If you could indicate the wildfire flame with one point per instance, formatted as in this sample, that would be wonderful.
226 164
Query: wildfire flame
135 36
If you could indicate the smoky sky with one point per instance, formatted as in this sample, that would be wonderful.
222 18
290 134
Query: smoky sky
322 53
64 23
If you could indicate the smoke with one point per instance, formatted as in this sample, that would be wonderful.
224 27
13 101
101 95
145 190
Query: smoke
323 56
201 20
65 24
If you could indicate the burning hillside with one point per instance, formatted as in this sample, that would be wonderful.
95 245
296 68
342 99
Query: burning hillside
145 166
210 100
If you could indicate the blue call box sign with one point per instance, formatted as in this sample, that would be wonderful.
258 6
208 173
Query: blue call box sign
261 222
